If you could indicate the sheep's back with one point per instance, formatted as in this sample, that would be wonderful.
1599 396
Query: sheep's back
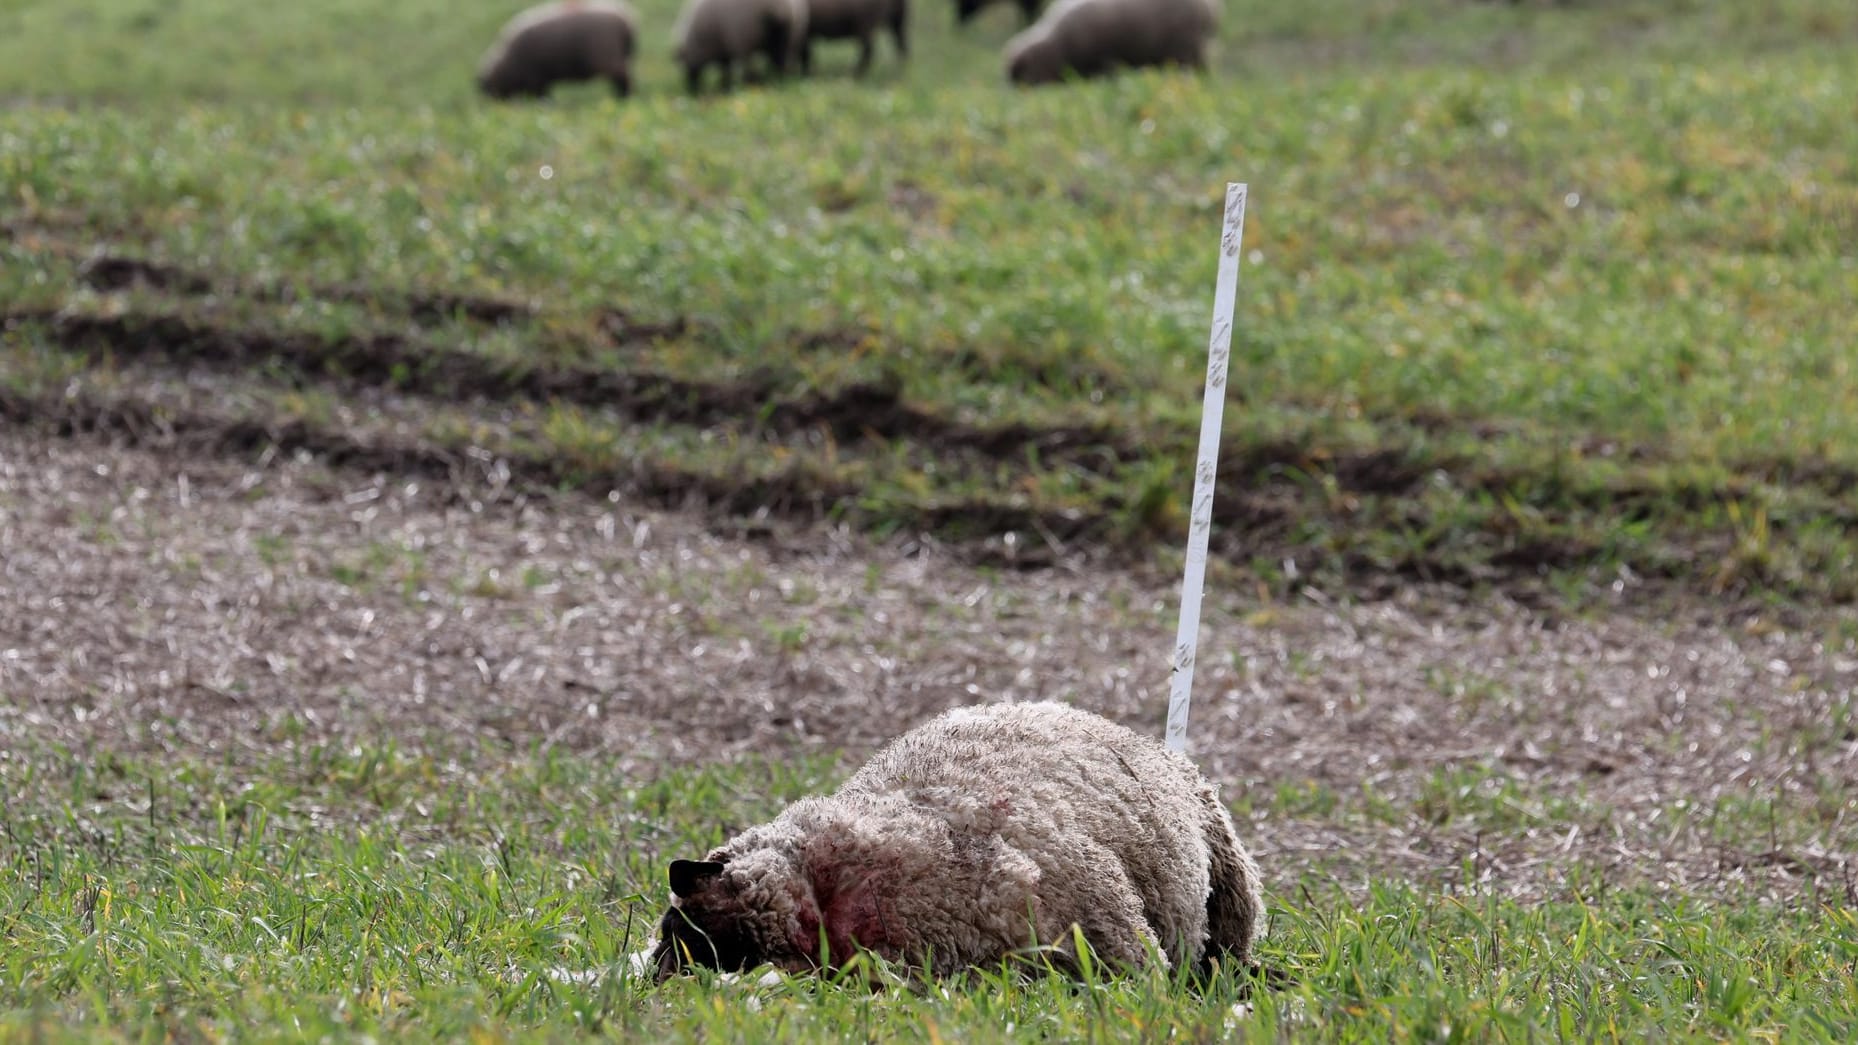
565 37
1094 32
1020 743
836 18
711 30
1047 778
715 29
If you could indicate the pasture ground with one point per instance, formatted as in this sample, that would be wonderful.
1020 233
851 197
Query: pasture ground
420 520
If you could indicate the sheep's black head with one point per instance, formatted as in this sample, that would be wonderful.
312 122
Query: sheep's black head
1035 61
724 918
505 79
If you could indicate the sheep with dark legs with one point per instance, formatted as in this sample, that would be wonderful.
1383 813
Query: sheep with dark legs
561 43
986 833
857 20
729 33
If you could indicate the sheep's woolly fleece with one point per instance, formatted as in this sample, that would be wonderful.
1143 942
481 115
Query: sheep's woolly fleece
561 42
986 833
730 32
1096 37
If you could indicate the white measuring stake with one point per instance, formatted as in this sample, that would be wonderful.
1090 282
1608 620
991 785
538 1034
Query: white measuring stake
1206 469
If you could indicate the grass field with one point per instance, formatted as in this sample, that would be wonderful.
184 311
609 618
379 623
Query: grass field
1547 315
379 892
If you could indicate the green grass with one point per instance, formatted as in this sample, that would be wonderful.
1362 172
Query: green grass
1580 277
430 895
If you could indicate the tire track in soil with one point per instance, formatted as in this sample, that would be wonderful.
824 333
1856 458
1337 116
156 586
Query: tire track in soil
975 530
862 410
1255 518
858 412
798 495
110 273
1265 493
871 410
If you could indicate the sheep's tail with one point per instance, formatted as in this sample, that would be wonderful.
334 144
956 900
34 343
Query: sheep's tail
1235 903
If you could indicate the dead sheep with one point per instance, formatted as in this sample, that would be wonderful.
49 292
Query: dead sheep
562 42
855 20
1096 37
986 833
728 33
965 10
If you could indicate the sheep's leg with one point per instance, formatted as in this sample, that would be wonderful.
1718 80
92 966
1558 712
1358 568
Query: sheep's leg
783 45
693 78
867 45
728 77
806 58
899 22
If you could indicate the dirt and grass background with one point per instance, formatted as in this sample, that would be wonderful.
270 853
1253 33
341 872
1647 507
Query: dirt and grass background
421 519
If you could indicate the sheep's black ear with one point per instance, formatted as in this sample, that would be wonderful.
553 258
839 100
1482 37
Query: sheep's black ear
687 875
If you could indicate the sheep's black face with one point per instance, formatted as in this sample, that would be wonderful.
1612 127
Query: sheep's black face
687 937
1036 63
704 927
504 83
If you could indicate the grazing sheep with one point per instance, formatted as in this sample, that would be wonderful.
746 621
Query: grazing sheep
965 10
561 42
976 836
725 33
855 20
1095 37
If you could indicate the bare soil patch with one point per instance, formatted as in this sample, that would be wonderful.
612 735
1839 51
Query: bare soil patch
230 603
